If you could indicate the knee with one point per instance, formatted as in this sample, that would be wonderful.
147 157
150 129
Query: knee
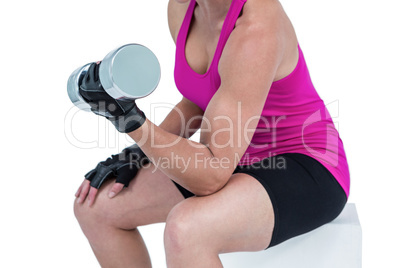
85 214
102 212
181 230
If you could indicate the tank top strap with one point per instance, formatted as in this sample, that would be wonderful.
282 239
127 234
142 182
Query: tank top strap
228 26
182 35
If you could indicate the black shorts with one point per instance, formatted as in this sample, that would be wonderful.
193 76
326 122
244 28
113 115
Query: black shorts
304 194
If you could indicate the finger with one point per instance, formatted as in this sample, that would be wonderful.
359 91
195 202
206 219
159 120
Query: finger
84 192
116 188
79 190
91 196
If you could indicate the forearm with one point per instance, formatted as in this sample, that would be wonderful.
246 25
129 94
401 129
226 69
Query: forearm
189 163
183 120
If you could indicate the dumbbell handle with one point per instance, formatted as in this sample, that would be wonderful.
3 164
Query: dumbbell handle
124 115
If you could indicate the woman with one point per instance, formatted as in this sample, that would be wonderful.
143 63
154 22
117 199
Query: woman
269 165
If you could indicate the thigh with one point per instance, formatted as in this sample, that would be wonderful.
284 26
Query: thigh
304 194
264 204
148 199
239 217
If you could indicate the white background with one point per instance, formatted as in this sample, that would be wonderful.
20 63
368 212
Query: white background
353 50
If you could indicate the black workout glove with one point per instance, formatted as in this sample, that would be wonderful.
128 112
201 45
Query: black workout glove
123 167
124 115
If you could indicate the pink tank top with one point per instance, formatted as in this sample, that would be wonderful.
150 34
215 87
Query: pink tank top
294 118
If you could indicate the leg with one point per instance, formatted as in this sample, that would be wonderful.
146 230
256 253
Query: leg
239 217
110 224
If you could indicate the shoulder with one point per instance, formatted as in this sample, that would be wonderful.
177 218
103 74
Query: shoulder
258 29
263 35
176 14
264 20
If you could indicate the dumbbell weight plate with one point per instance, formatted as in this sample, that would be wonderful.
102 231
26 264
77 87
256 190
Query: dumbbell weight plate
73 88
130 72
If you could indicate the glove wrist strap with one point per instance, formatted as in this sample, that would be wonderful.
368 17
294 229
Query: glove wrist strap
129 122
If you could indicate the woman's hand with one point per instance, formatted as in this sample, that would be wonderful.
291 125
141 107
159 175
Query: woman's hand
124 114
124 167
86 191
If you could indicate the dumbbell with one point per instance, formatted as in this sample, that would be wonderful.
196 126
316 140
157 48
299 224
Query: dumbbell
129 72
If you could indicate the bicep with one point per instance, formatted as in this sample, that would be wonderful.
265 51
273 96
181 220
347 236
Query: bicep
247 68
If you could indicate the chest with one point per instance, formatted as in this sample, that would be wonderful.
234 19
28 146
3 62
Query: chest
198 50
200 47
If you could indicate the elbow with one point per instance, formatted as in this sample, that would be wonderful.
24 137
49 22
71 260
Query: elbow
214 185
206 191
